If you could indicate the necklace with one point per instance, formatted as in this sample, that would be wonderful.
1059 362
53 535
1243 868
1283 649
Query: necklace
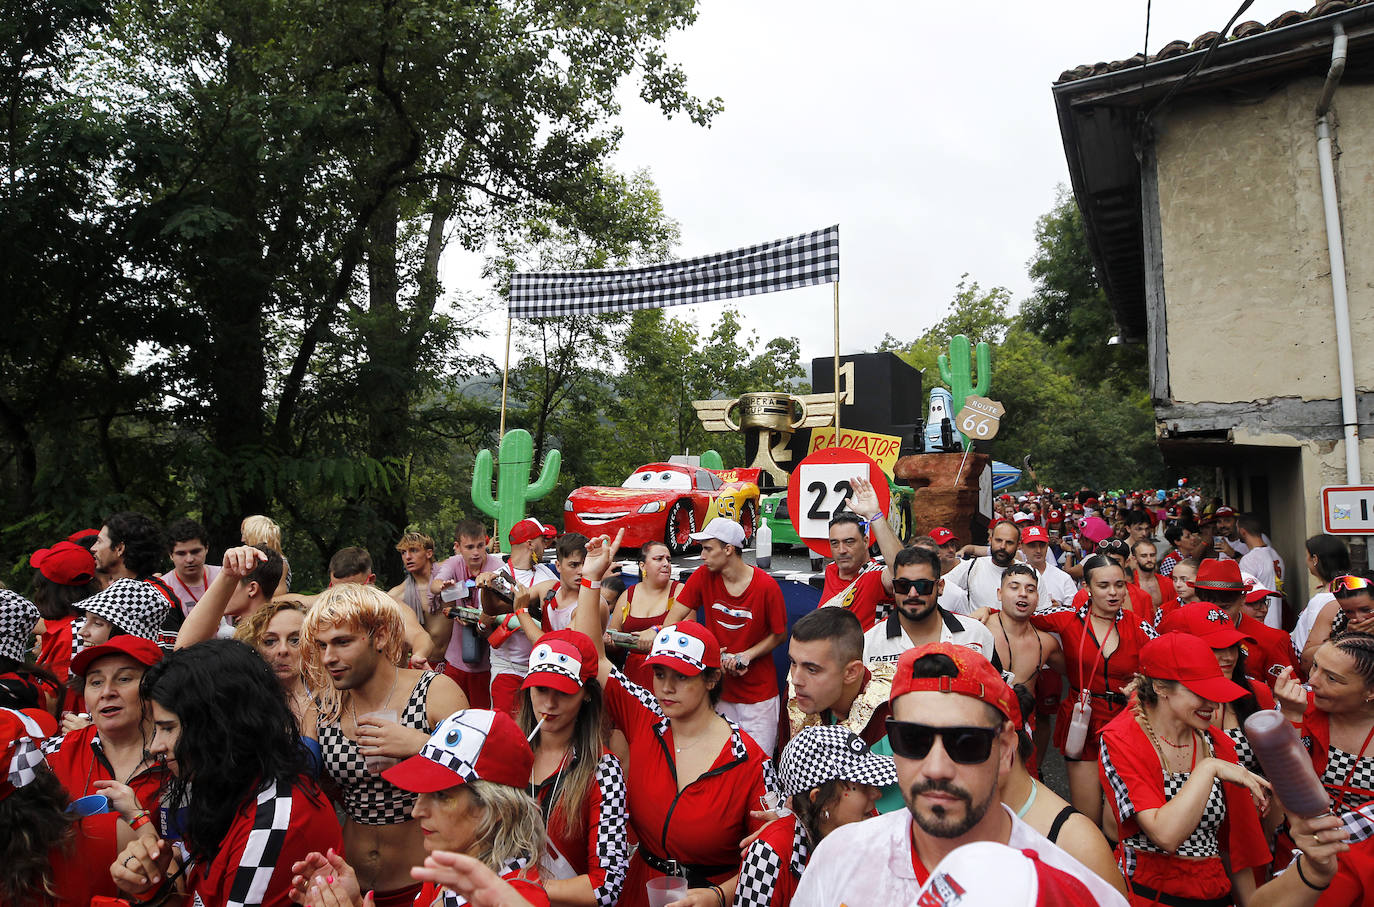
1030 801
353 712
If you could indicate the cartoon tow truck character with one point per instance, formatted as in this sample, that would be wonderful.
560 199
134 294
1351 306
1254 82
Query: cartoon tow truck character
665 502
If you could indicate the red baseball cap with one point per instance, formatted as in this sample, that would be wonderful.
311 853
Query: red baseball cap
525 530
80 535
563 660
1223 510
987 872
144 651
1207 622
1054 517
1219 576
976 677
942 536
1034 534
1187 659
66 563
471 745
687 647
549 532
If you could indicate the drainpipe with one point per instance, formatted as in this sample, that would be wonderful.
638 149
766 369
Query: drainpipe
1335 245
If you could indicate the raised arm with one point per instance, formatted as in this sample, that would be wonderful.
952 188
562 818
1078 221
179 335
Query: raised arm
203 621
865 503
587 617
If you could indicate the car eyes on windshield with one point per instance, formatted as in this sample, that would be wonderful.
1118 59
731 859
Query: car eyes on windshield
661 478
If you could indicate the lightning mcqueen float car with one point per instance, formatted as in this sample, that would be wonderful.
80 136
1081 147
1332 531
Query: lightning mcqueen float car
665 502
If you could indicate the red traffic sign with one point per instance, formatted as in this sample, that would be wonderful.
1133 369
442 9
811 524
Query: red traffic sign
820 487
1348 509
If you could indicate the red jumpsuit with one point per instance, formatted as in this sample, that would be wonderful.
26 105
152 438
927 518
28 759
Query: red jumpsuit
1134 779
78 761
252 864
602 851
1102 676
700 826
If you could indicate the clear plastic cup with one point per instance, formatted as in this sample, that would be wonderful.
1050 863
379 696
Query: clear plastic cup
378 764
665 890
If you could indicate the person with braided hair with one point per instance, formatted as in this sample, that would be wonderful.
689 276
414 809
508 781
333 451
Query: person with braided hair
1189 833
1336 718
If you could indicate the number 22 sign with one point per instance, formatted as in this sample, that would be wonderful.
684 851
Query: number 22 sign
819 488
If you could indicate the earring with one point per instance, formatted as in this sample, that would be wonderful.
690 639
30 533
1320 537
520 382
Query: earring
825 814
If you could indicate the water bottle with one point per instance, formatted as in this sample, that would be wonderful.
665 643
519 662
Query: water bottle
1078 726
763 546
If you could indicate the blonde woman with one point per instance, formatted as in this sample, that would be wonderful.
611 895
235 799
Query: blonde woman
263 530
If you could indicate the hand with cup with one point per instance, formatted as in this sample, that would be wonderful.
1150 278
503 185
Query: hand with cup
383 741
666 890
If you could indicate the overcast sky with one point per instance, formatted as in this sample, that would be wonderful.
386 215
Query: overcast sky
926 130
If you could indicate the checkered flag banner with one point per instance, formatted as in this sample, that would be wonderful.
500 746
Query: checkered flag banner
784 264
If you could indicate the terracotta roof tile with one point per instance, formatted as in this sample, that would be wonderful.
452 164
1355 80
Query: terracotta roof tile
1179 47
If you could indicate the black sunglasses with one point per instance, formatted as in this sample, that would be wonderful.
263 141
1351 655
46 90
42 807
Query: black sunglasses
922 586
965 745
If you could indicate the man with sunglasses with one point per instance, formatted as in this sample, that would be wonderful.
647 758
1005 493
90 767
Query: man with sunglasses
917 617
953 733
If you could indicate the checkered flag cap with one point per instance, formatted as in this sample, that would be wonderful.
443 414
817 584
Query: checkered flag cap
469 745
831 753
17 617
19 737
687 647
133 605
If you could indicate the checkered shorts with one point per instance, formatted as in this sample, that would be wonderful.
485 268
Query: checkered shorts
367 798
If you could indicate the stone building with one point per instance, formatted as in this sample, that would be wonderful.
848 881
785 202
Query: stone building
1199 177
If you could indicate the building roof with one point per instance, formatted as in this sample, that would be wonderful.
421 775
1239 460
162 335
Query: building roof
1104 111
1177 47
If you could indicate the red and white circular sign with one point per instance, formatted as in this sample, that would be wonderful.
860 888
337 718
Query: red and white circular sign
821 486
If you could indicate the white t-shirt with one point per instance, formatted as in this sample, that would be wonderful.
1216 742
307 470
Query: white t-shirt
869 863
955 600
980 578
513 655
1055 586
887 641
189 595
1308 619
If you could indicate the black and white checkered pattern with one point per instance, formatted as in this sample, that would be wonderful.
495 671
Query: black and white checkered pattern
1359 823
264 846
368 799
1359 789
758 875
1125 807
17 617
824 753
612 830
133 605
25 754
1245 754
783 264
1203 841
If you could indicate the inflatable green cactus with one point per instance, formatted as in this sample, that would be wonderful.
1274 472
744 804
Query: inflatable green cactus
957 373
514 490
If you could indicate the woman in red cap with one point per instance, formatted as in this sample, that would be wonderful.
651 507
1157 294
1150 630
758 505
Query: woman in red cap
110 755
1182 802
65 575
577 782
1101 645
472 777
694 776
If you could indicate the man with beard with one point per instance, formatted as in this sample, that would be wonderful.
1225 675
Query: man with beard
982 576
1160 588
953 733
917 617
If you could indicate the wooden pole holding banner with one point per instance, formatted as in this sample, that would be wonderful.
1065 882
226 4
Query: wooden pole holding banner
505 380
837 362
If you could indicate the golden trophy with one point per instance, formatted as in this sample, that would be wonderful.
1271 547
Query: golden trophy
774 417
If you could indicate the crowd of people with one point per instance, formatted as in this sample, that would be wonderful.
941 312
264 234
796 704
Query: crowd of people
598 728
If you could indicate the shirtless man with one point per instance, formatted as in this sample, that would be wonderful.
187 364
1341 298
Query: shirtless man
1160 588
352 642
417 556
1020 650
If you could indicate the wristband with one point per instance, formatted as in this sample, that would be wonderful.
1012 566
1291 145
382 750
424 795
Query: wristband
720 894
140 820
1298 863
591 583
